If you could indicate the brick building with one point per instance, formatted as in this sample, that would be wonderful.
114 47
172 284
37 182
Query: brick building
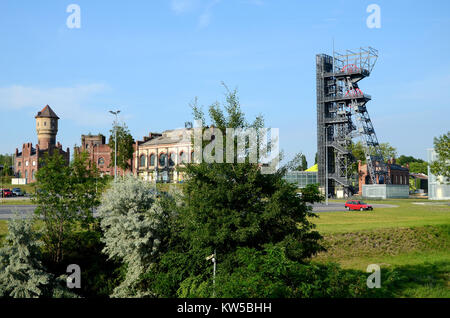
27 162
398 174
100 153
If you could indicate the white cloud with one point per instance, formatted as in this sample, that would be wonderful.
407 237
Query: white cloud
183 6
204 6
68 102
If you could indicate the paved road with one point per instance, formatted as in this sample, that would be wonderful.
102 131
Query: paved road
339 207
8 211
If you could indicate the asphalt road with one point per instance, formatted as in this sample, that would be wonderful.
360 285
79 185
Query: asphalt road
8 211
339 207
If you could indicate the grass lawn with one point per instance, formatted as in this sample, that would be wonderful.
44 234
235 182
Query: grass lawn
411 242
16 202
406 214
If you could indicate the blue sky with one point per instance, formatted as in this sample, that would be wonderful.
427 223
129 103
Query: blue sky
150 59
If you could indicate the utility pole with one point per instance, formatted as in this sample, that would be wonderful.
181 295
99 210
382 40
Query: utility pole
115 143
213 258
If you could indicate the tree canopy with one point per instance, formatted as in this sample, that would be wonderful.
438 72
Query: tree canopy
441 166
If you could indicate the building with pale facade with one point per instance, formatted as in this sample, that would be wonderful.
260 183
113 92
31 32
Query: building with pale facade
159 156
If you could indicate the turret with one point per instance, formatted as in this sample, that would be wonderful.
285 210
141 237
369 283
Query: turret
46 127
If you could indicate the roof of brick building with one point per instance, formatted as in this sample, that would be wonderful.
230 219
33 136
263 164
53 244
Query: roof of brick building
47 112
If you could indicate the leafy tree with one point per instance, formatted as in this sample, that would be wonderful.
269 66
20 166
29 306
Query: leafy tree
441 166
418 167
21 271
298 163
304 163
358 152
124 146
268 273
311 194
65 195
135 225
233 204
387 151
404 160
6 161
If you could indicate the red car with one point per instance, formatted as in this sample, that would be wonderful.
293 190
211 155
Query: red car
357 205
6 193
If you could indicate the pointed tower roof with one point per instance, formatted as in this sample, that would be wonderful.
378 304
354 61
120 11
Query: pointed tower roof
47 112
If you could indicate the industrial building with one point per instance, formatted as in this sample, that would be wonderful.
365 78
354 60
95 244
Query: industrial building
341 117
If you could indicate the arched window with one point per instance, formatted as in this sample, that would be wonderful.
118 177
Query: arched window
172 159
183 157
152 160
162 159
142 161
101 161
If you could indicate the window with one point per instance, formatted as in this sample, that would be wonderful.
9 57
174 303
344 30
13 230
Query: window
27 163
152 160
142 161
183 157
32 175
192 156
162 159
101 161
34 163
45 123
20 163
172 159
26 174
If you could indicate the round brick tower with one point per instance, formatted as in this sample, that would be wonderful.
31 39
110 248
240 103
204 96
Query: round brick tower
46 127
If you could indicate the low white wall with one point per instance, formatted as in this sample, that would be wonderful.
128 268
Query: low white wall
385 191
18 181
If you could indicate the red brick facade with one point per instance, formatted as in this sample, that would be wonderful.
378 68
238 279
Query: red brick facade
100 153
27 162
398 174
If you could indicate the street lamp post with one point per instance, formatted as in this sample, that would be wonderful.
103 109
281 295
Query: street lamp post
115 143
213 258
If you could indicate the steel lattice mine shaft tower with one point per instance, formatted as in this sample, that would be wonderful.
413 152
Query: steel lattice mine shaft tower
342 116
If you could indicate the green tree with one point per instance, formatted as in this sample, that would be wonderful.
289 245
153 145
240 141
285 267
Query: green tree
403 160
418 167
66 194
135 225
233 204
6 161
387 151
441 166
124 146
298 163
21 272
